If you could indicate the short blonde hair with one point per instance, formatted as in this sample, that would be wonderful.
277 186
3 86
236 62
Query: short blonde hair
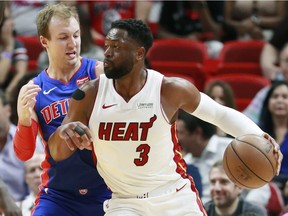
44 16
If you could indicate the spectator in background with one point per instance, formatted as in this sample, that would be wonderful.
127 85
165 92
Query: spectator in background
285 196
274 118
88 47
252 111
33 171
103 13
254 19
179 19
14 97
7 204
11 168
24 13
202 146
221 92
192 170
268 196
226 196
270 58
193 20
2 11
212 21
14 59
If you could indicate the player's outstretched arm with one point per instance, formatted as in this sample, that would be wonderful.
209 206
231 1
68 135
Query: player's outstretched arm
185 96
74 132
233 122
27 129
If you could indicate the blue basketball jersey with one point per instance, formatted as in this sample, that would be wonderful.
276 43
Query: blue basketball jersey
78 173
52 102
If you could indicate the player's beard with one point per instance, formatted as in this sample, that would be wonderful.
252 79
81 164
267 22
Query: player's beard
120 71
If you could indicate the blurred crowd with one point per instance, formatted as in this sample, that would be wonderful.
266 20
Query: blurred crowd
213 23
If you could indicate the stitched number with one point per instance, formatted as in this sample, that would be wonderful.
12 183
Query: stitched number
144 150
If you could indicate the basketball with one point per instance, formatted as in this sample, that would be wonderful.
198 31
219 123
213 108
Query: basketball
249 161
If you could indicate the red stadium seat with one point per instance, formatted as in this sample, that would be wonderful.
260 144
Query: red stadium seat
183 50
34 48
240 57
187 69
183 56
245 86
100 42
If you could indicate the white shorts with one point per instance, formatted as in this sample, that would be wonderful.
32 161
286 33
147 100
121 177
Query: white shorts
176 200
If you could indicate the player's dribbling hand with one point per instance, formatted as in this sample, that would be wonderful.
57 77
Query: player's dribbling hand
26 102
278 153
76 135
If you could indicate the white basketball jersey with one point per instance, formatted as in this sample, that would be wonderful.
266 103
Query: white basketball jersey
136 148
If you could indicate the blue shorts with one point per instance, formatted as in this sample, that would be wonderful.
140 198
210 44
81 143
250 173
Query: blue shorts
53 203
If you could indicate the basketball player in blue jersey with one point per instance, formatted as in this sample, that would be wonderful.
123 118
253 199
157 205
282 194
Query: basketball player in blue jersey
129 113
73 186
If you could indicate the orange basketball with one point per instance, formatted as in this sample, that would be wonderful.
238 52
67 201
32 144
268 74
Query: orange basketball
249 161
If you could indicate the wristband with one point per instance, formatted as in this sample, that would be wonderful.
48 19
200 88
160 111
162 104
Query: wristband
6 55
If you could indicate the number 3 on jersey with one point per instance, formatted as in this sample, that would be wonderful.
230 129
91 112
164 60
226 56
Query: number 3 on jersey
144 150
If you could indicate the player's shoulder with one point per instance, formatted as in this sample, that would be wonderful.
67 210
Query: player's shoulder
40 78
168 81
86 93
177 84
175 81
90 88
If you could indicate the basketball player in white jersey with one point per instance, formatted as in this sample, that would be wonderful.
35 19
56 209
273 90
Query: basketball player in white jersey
129 115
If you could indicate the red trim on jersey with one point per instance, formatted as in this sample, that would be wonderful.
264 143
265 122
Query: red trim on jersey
94 155
45 165
25 140
36 202
181 167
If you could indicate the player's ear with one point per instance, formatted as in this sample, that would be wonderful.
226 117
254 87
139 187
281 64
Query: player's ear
43 41
140 54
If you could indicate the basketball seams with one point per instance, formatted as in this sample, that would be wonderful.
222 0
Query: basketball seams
246 163
230 173
260 150
236 153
